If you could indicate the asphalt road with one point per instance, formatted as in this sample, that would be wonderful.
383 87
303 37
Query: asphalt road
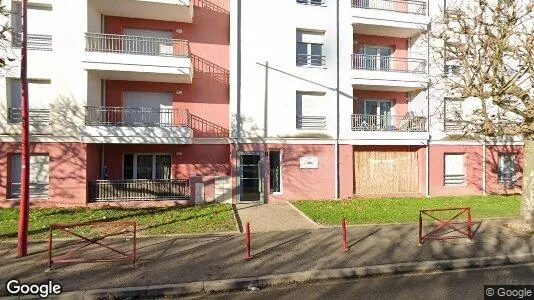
459 284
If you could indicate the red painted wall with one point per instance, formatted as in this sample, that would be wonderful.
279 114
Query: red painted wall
346 171
204 160
207 98
69 171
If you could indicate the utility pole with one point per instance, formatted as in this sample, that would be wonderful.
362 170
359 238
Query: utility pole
22 247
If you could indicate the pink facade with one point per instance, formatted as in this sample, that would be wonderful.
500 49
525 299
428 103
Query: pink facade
399 100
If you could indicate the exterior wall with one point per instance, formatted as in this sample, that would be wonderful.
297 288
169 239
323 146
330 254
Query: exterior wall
399 45
68 172
493 186
346 168
187 160
400 100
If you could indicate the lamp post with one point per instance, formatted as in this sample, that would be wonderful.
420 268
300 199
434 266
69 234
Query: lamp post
22 246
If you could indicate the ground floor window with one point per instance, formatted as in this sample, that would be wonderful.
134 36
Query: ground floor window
275 162
454 170
39 174
507 169
147 166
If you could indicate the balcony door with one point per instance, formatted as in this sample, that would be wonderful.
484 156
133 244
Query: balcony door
377 58
378 113
148 109
148 42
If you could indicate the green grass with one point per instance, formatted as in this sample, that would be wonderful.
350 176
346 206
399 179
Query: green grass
151 221
405 210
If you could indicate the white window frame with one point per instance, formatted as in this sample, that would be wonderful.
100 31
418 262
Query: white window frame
134 166
322 123
281 192
309 49
446 120
463 183
47 182
500 178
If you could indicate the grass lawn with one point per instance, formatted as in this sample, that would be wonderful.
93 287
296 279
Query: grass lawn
209 218
404 210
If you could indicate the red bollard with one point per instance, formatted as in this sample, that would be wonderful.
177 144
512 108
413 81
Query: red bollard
247 242
469 224
344 247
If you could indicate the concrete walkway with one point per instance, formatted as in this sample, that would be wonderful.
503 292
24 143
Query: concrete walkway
172 260
272 217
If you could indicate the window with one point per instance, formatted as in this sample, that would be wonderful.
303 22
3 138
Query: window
39 37
507 169
452 114
310 48
311 2
147 166
310 112
275 162
377 58
451 67
39 110
39 170
454 170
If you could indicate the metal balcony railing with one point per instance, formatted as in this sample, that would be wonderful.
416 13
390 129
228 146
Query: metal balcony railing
311 122
362 122
139 190
36 115
42 42
402 6
388 63
312 2
136 116
140 45
311 60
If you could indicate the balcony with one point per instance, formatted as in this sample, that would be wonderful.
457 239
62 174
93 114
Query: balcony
138 190
387 73
394 18
372 127
137 58
136 125
164 10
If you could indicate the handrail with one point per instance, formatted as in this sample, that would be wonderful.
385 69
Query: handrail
402 6
136 116
364 122
140 45
388 63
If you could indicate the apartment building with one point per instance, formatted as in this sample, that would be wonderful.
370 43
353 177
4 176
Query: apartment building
128 100
191 101
342 98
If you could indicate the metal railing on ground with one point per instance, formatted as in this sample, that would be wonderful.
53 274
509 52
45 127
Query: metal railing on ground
139 190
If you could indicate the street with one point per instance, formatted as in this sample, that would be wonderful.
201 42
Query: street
459 284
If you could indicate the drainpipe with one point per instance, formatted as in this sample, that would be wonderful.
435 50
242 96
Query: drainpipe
484 149
336 145
238 96
427 152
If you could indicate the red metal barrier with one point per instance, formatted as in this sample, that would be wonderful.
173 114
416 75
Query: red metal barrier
447 223
123 228
247 242
344 247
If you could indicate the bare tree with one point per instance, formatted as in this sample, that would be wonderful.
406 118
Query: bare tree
6 53
489 44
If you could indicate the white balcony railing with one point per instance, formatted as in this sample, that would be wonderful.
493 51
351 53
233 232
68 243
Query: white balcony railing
140 45
388 63
35 115
402 6
42 42
136 117
362 122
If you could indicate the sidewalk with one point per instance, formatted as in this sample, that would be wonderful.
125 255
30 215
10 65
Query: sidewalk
172 260
272 217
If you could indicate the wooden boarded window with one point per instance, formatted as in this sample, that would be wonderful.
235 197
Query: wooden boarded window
386 172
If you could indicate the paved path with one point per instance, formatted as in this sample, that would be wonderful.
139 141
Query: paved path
272 217
463 284
166 260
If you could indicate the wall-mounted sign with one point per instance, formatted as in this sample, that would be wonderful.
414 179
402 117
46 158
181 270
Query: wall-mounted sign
309 162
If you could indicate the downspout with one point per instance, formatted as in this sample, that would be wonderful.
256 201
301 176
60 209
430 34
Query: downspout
427 152
238 96
484 149
336 145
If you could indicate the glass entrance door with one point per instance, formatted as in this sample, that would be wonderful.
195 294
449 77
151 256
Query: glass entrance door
251 179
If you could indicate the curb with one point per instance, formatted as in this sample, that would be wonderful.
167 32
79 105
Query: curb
200 287
317 225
